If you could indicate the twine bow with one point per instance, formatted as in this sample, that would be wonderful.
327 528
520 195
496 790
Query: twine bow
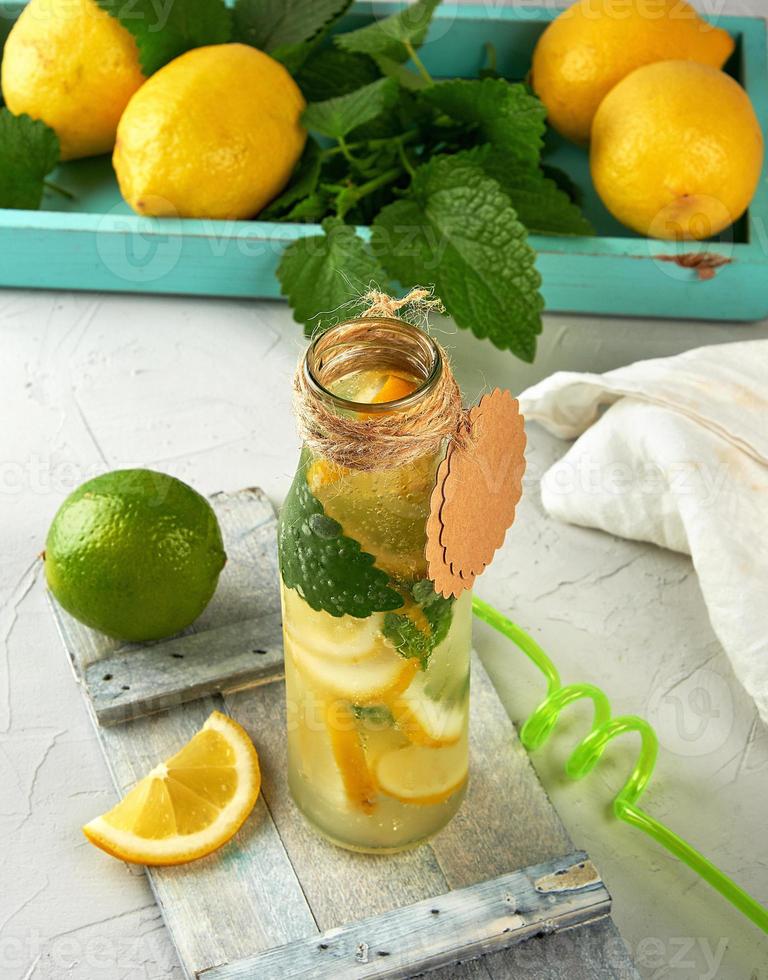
414 307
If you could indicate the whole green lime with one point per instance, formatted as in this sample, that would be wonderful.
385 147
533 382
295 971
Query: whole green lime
135 554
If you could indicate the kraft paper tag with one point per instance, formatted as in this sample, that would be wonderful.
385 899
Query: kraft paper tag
478 486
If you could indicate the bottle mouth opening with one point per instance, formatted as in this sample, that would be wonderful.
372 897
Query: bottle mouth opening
372 344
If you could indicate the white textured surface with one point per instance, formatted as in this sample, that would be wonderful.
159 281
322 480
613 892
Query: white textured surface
200 389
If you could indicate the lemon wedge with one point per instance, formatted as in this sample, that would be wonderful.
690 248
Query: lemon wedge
421 775
391 390
187 806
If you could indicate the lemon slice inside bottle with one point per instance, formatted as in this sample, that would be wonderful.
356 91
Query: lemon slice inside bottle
374 679
349 756
189 805
423 776
394 387
425 720
342 638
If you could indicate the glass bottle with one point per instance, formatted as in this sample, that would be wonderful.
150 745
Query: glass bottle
377 698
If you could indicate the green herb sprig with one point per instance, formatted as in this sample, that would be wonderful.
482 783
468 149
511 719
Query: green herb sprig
447 174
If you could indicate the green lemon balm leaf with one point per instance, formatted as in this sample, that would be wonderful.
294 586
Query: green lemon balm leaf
164 31
437 609
281 24
289 30
323 275
456 228
395 36
293 56
329 570
310 209
541 205
506 115
374 715
406 637
404 77
410 640
29 151
331 72
565 182
339 116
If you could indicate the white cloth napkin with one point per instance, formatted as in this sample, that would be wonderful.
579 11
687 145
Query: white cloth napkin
680 459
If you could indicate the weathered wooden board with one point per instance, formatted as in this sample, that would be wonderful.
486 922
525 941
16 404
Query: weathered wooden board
132 683
263 905
591 952
465 923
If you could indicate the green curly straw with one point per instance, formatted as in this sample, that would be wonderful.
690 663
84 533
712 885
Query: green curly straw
542 722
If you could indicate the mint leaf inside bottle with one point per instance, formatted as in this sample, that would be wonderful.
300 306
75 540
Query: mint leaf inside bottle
329 570
418 641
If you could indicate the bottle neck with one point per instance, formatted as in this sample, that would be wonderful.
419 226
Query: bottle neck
369 433
372 346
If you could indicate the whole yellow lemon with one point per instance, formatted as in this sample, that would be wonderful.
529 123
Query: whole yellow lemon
214 134
74 66
592 45
677 150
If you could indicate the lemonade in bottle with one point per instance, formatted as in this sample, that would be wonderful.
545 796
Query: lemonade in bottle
376 661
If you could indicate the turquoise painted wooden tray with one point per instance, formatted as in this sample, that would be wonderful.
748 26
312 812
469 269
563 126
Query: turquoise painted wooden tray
95 242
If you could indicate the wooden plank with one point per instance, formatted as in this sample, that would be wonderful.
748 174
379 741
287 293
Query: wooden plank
138 682
464 923
466 970
592 952
244 897
248 584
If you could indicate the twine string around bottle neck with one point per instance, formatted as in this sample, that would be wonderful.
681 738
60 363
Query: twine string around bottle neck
414 427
